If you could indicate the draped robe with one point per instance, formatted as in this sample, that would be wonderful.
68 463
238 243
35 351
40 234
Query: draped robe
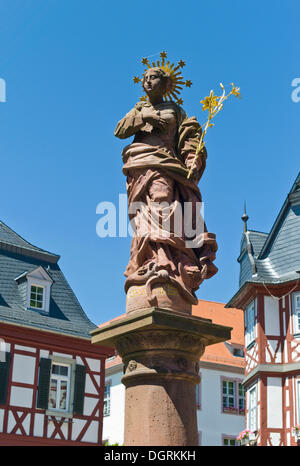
158 160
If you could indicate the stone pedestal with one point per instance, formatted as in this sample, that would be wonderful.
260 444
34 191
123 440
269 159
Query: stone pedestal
162 295
161 351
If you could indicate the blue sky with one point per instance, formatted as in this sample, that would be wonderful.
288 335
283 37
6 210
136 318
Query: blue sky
68 67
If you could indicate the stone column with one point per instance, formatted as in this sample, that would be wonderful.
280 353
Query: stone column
160 351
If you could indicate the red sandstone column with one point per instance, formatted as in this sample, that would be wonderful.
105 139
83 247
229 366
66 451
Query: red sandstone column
160 350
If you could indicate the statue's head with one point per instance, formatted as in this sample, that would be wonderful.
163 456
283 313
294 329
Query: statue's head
167 80
156 82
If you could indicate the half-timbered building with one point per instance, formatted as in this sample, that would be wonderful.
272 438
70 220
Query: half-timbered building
51 376
269 294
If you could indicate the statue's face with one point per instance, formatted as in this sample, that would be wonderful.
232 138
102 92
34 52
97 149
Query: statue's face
153 84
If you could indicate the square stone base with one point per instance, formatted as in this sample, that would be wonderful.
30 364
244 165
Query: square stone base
156 318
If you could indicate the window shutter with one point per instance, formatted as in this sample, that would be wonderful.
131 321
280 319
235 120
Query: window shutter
4 376
80 375
44 383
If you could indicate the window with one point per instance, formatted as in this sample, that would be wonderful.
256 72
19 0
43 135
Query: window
34 289
233 396
59 387
250 323
229 442
296 309
252 416
241 399
37 297
229 396
106 406
238 352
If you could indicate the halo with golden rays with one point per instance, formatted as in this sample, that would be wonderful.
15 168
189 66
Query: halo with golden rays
177 80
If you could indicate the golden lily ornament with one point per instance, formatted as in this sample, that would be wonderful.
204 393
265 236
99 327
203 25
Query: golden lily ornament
213 104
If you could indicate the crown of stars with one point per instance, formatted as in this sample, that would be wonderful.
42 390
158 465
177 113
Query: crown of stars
174 72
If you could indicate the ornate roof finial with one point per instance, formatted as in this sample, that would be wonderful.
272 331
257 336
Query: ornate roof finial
245 218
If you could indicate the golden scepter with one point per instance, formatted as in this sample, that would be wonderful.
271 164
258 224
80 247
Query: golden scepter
213 104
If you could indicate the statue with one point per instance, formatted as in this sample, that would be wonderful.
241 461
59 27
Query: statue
157 165
172 252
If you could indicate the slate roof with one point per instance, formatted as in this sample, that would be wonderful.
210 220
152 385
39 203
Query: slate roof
274 257
11 241
18 256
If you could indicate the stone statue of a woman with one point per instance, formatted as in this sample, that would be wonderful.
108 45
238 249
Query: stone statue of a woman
164 270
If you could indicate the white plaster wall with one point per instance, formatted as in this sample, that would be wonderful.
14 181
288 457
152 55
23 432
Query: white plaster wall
89 405
272 326
113 425
94 364
23 369
91 434
77 426
51 428
270 351
21 397
38 429
274 402
25 348
89 386
62 355
12 423
288 420
212 422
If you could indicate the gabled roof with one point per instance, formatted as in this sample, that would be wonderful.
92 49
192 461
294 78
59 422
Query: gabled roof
18 259
293 198
11 241
257 239
39 273
274 257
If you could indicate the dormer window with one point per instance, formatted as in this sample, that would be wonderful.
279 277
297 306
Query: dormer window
235 349
37 297
34 289
238 352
